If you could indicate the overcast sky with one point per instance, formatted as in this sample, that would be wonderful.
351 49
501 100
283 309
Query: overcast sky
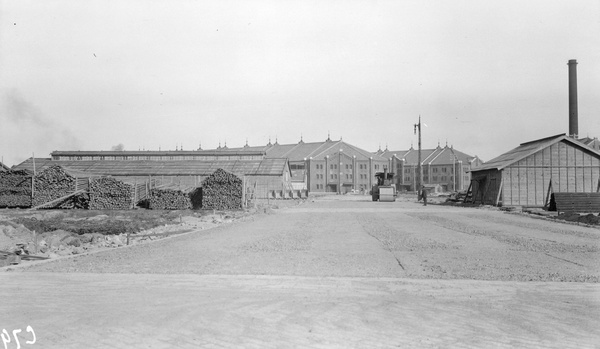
485 76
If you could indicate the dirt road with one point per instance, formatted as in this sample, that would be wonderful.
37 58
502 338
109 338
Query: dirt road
336 272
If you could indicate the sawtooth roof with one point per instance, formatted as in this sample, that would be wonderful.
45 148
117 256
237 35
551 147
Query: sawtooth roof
526 149
264 167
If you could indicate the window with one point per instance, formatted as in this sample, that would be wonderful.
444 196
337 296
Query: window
350 166
331 166
444 169
346 166
435 178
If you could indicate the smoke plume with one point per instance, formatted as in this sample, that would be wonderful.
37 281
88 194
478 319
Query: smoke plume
29 130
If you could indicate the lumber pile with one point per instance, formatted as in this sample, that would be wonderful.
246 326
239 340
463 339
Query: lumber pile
222 191
107 193
169 199
53 183
15 189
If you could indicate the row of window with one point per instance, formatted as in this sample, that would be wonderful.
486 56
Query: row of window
335 176
348 176
348 166
425 169
434 178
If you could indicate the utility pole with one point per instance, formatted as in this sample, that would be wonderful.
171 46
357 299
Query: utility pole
419 169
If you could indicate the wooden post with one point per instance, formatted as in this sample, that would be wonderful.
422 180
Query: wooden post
468 191
499 191
33 177
548 193
244 191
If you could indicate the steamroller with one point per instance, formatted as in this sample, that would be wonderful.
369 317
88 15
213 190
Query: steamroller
385 189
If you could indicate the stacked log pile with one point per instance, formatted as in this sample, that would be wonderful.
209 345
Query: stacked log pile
108 193
15 189
169 199
222 191
53 183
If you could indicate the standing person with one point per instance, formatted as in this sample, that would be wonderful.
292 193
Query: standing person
424 195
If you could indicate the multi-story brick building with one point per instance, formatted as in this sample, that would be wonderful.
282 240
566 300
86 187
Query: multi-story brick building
593 143
445 167
328 166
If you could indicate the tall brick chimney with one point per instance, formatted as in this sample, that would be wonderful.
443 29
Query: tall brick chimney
573 117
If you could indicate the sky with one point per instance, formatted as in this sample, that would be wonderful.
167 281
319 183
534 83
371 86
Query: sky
484 76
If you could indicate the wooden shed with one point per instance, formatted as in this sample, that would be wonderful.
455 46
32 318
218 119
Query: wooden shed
526 175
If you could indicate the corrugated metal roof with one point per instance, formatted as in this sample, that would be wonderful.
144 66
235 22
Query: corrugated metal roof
265 167
529 148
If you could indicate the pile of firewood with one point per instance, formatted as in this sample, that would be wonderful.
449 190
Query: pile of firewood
108 193
15 189
169 199
222 191
53 183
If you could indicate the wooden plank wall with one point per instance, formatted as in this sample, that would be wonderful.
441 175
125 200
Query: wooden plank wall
488 189
569 168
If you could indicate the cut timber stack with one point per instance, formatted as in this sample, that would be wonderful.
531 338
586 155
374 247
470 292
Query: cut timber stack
15 189
169 199
108 193
222 191
54 183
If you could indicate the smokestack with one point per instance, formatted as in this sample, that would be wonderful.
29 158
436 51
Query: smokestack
573 117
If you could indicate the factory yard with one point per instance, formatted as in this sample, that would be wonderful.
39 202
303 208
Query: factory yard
334 271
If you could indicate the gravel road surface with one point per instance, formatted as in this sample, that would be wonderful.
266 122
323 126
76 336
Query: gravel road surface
333 272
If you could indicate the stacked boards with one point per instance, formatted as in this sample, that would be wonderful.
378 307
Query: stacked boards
53 188
15 188
169 199
222 191
107 193
60 188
